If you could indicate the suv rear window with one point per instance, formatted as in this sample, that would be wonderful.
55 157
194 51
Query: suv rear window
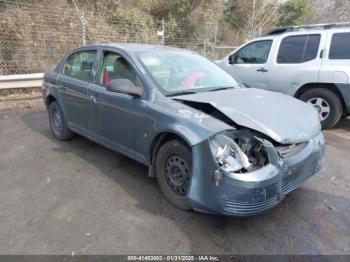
298 49
340 46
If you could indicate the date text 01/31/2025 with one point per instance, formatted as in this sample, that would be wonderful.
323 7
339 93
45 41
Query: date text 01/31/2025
173 258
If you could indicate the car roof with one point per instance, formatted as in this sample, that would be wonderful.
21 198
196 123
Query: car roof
135 47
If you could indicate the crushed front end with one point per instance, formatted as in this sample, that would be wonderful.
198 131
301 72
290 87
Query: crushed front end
246 174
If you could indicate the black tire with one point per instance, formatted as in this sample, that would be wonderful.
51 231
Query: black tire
335 105
58 123
174 172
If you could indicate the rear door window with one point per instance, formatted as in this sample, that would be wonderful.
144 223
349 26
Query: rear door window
80 64
340 46
298 49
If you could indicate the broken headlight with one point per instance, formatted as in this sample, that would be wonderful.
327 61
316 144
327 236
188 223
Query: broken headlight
228 154
238 151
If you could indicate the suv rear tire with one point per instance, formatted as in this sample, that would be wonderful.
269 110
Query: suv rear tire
327 103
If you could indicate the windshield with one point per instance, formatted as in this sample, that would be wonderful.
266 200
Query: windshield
179 72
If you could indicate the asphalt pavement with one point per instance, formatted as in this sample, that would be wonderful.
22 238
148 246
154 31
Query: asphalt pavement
78 197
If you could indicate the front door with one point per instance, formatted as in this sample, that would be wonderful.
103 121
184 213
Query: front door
73 84
249 63
117 119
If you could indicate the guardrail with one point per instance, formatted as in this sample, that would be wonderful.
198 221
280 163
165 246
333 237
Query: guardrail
21 81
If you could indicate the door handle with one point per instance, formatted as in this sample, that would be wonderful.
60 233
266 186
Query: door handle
93 98
323 51
62 87
262 70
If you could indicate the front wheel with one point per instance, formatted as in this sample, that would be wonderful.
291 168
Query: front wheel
174 172
327 104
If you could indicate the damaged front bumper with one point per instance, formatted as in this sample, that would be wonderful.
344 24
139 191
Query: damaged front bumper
247 194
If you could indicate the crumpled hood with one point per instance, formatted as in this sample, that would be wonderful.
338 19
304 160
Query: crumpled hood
281 117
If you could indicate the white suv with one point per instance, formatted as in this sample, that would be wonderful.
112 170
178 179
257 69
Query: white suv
311 63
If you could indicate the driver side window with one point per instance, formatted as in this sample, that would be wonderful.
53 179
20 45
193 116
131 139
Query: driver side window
114 66
253 53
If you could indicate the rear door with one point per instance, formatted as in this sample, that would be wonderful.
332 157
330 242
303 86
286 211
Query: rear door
250 62
336 58
76 75
296 61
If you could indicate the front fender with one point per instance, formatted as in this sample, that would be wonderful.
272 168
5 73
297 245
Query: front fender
190 124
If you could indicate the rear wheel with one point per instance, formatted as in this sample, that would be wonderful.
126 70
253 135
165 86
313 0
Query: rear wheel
58 123
327 104
174 172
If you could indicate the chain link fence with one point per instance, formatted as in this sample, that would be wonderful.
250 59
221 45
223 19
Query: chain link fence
34 35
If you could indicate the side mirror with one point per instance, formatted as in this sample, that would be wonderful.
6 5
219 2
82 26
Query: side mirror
231 59
124 86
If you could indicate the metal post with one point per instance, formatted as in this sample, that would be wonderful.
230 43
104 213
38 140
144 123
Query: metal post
215 40
83 25
163 30
161 33
82 21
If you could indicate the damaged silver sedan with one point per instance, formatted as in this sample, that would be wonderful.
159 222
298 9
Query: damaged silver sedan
213 145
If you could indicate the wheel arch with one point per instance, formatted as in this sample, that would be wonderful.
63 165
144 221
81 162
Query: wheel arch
52 97
301 90
159 140
49 99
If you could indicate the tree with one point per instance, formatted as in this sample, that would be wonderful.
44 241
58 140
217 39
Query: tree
332 11
236 13
188 23
296 12
250 17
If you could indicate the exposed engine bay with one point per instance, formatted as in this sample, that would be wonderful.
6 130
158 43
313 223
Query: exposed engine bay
253 148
